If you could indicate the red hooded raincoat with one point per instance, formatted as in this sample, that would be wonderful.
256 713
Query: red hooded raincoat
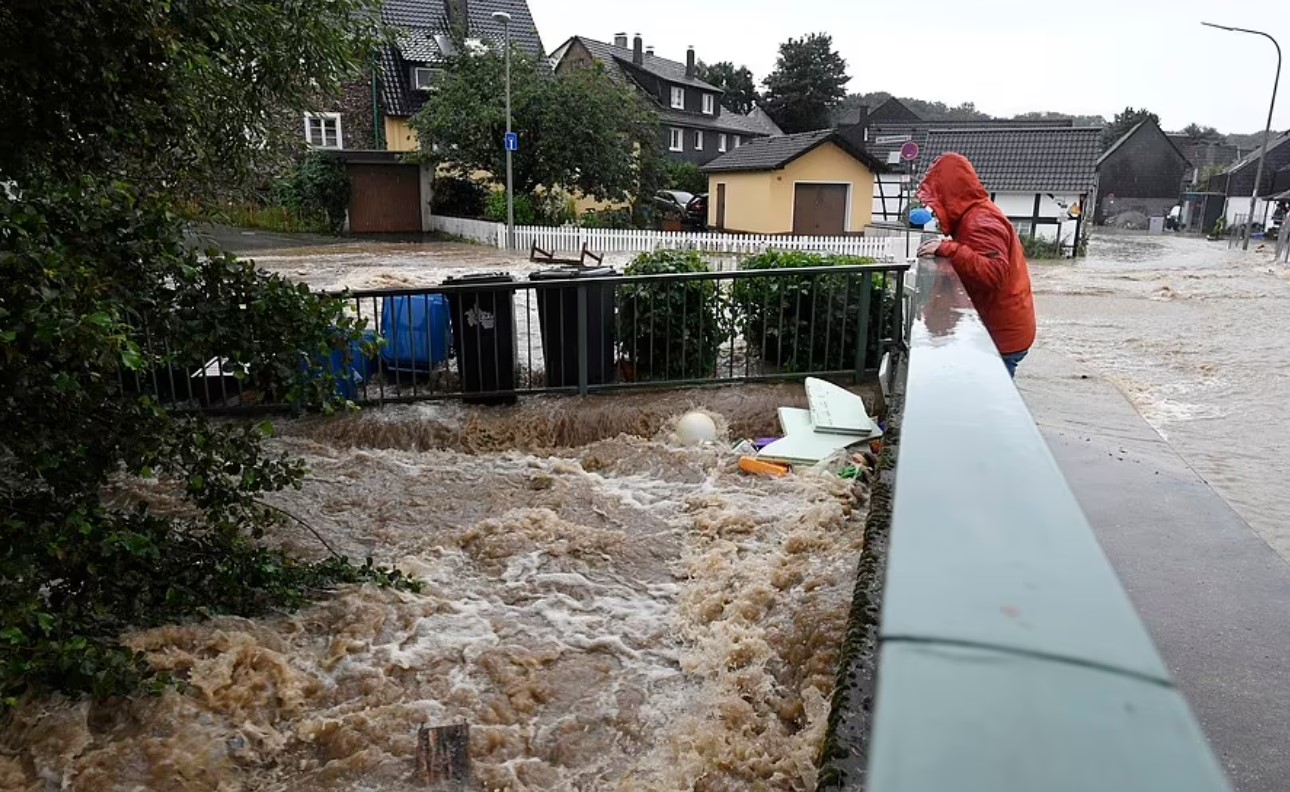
985 251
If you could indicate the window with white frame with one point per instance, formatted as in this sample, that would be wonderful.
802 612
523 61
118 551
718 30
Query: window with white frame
322 130
721 142
677 142
424 79
709 106
738 141
678 98
698 140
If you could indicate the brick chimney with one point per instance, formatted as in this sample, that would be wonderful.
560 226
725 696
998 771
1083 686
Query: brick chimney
689 63
620 40
638 54
649 49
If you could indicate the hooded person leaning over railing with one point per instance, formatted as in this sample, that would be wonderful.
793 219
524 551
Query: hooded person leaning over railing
986 253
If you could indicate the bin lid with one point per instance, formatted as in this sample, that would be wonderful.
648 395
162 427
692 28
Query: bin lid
573 273
481 277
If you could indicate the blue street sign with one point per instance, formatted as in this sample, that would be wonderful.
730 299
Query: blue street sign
512 141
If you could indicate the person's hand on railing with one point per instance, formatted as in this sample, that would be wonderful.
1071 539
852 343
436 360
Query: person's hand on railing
928 249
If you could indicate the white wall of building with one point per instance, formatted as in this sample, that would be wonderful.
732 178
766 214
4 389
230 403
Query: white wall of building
1239 205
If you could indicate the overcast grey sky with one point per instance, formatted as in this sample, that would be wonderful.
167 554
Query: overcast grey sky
1008 56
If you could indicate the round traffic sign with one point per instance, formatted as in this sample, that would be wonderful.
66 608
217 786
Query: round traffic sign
909 151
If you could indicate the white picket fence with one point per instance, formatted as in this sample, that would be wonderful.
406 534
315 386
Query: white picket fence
570 239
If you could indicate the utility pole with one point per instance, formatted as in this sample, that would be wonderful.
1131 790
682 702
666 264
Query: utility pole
1267 129
505 19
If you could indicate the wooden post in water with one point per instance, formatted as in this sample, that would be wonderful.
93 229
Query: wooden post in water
443 757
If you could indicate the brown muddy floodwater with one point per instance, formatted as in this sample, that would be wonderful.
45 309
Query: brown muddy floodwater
617 614
1197 336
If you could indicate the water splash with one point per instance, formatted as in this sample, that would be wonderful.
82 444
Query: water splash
621 614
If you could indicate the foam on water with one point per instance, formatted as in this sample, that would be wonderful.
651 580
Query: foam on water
627 614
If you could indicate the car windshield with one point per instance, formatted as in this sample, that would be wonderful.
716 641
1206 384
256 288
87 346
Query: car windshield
682 198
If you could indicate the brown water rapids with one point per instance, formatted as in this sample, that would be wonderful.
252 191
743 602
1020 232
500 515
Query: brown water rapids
621 613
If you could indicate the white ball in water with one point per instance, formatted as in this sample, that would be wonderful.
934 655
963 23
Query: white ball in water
695 428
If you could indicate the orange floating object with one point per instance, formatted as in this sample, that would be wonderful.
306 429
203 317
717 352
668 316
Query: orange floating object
758 467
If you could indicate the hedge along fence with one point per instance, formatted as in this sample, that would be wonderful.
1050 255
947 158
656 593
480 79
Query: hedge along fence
671 331
810 323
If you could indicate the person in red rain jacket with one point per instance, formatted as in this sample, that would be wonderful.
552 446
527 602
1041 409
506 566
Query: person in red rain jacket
986 254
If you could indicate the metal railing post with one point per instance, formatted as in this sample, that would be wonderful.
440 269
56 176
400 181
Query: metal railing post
862 325
582 339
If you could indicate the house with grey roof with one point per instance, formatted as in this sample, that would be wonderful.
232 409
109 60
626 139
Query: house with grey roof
1237 182
695 126
1043 178
1140 175
807 184
373 113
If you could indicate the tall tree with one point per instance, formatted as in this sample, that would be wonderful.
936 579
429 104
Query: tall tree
579 130
1076 120
807 85
741 90
102 298
1124 122
1202 134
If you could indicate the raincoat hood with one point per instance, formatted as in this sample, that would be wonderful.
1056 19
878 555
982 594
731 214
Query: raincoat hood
952 188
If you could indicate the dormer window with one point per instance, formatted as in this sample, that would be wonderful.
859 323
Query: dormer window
678 98
709 106
424 79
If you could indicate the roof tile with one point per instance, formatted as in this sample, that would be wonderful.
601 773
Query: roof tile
773 153
1024 160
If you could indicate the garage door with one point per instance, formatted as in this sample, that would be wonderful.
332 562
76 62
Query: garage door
820 209
384 199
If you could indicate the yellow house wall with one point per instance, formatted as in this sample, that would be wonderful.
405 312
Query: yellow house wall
748 201
399 135
761 202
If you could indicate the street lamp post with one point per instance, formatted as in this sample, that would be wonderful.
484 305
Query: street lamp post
505 19
1267 130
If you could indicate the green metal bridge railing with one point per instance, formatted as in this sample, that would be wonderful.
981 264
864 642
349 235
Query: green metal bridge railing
1010 658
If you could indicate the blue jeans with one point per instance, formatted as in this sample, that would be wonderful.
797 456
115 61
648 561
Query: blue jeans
1012 360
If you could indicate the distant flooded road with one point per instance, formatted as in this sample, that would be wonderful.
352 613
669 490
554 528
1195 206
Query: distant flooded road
1197 337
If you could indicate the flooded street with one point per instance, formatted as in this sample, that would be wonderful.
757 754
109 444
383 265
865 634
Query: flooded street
1197 337
606 610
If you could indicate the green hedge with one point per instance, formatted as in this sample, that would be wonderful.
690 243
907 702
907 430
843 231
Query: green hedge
809 322
671 331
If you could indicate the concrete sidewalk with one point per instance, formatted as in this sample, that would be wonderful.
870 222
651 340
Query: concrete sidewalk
1214 596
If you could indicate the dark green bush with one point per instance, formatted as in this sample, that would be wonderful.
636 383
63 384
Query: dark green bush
810 322
608 218
1038 248
684 176
675 330
525 212
456 197
319 186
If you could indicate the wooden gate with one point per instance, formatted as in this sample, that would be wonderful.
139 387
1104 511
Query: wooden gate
820 209
384 199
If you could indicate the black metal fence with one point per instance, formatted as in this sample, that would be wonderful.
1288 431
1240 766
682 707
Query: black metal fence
491 338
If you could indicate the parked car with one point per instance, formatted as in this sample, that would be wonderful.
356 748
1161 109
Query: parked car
696 213
672 203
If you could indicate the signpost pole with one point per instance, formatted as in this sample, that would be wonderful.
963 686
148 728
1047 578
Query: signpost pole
505 19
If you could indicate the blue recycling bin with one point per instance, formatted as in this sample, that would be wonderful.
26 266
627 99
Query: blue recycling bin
416 332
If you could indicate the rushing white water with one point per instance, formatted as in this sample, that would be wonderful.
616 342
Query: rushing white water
624 614
1196 335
